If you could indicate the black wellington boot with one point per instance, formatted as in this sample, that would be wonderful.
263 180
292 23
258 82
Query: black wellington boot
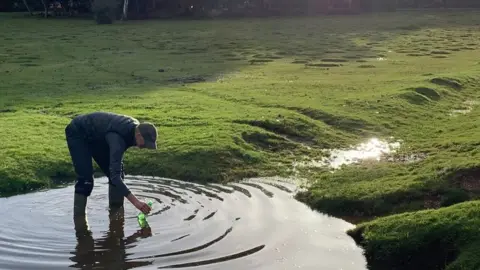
79 205
115 200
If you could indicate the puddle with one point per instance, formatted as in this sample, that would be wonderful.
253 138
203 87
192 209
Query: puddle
409 158
373 149
466 108
256 224
460 111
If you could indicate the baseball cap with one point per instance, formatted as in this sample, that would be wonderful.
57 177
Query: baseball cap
149 134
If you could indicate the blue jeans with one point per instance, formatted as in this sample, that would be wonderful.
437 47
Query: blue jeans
82 151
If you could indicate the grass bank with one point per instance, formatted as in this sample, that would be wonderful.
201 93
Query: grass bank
446 238
254 97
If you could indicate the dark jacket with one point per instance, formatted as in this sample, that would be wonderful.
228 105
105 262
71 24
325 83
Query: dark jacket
115 130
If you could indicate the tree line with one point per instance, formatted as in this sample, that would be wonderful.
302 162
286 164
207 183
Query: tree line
105 11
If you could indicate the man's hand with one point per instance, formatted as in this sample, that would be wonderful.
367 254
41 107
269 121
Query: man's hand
143 207
139 204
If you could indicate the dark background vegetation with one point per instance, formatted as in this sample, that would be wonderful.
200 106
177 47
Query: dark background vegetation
144 9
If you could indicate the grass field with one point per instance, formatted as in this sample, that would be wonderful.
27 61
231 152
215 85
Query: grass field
257 97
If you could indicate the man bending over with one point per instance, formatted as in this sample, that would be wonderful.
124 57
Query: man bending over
105 137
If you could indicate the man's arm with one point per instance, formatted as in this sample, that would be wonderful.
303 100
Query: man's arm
117 148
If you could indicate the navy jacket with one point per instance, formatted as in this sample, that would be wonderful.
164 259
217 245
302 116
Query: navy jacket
115 130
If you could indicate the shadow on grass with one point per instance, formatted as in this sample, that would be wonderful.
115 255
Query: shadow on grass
90 58
200 165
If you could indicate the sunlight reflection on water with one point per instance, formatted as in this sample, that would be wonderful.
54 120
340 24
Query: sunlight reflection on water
373 149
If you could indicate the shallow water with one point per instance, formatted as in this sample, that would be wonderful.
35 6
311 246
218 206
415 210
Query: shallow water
252 225
373 149
466 108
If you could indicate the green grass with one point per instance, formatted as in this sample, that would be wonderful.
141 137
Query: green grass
252 97
431 239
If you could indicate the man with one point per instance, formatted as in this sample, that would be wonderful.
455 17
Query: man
105 137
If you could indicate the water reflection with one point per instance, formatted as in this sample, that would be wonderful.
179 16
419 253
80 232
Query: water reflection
108 252
466 108
373 149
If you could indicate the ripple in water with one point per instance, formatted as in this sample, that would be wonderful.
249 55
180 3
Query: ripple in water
250 225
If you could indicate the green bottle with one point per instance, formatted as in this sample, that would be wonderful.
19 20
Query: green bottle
142 218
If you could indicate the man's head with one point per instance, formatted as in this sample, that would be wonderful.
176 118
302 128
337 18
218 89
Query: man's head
146 136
